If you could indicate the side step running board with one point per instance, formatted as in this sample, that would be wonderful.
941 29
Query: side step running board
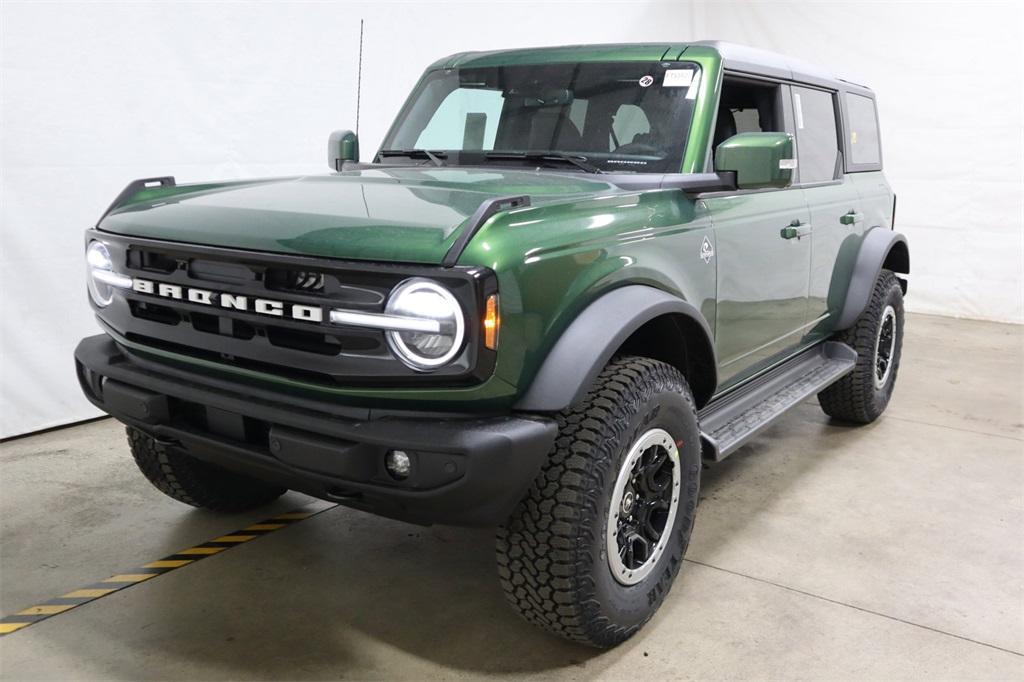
730 421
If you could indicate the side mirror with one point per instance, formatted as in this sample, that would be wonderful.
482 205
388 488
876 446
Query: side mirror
759 159
342 146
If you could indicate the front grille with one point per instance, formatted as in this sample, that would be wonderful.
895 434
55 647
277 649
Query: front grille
296 373
151 261
312 342
288 344
300 281
154 312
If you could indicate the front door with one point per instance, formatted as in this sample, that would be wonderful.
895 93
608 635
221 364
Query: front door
763 245
762 278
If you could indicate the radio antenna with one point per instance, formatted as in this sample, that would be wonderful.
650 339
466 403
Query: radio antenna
359 75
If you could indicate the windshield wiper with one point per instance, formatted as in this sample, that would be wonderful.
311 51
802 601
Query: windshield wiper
576 160
435 157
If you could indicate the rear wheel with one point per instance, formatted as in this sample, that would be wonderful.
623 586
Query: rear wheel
195 482
863 394
592 550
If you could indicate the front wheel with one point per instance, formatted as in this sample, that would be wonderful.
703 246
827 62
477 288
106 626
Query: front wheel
195 482
592 550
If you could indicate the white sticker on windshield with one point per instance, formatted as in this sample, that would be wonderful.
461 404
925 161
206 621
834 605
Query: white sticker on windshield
678 78
646 81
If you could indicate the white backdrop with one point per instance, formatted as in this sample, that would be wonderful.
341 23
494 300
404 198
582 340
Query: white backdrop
97 94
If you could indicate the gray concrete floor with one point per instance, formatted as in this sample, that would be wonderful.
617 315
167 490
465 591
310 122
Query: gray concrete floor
894 550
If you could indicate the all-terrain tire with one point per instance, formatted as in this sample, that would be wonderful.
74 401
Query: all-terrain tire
552 558
860 397
195 482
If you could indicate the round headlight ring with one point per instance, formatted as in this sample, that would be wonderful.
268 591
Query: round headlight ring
97 257
441 306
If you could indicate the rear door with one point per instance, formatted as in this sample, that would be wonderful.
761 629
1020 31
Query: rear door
833 202
864 159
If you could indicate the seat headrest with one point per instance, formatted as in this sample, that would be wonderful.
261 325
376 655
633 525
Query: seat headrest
725 126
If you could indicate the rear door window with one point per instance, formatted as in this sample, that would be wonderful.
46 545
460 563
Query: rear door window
864 143
817 139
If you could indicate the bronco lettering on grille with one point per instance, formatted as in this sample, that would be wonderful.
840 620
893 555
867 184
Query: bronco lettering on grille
262 306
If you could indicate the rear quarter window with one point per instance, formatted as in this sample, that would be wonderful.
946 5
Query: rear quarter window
863 141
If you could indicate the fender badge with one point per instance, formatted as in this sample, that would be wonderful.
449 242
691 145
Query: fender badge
707 252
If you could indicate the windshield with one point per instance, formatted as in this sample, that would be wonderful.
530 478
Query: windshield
612 117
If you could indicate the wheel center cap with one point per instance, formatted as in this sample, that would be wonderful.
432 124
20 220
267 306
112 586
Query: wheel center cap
628 498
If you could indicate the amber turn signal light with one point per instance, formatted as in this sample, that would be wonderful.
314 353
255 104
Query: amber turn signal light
491 322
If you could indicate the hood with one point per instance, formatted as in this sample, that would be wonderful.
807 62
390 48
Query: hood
407 215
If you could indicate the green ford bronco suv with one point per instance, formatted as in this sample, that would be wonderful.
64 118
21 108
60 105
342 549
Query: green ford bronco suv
568 279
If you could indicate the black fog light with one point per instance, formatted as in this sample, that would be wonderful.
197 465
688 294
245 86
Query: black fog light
398 464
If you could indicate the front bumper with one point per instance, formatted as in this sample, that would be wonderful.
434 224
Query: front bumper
466 470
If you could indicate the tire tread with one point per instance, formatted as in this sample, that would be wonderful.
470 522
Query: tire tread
195 482
854 397
543 562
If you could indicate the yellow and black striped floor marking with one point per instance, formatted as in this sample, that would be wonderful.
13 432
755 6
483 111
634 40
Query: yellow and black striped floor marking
121 581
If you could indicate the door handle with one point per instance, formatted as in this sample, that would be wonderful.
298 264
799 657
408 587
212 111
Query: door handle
795 230
852 218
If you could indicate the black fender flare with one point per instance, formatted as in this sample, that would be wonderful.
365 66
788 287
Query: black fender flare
874 250
590 340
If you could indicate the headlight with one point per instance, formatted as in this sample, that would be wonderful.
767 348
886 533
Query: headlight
102 278
428 301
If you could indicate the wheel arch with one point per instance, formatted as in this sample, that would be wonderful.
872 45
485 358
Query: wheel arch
652 323
898 260
880 249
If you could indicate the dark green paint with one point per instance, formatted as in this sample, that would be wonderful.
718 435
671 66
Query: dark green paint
757 159
410 215
762 295
342 146
652 52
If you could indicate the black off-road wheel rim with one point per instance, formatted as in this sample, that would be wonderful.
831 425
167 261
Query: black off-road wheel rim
885 347
643 507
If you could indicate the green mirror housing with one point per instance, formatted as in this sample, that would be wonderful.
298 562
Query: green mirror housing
759 160
342 146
